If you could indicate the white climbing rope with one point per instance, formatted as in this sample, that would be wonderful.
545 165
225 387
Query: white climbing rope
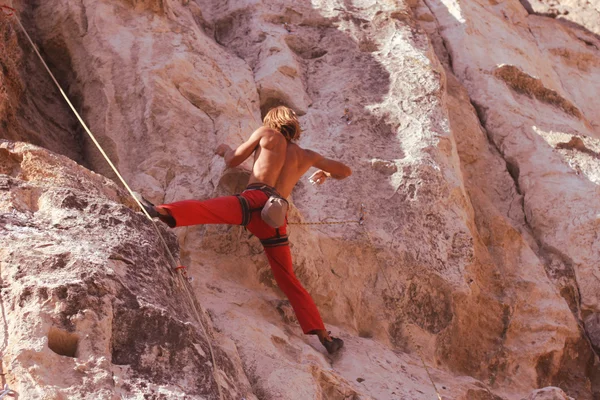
181 275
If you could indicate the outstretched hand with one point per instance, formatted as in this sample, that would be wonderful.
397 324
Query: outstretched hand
319 177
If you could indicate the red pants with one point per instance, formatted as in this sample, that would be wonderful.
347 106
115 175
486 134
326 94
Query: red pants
232 210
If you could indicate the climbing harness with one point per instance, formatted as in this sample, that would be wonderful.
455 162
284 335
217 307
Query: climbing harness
183 274
273 212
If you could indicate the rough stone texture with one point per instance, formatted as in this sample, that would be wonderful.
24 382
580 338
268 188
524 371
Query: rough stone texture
86 291
31 108
532 97
477 165
549 393
576 14
90 308
166 85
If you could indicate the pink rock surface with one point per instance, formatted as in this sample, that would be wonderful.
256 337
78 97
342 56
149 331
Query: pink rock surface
472 131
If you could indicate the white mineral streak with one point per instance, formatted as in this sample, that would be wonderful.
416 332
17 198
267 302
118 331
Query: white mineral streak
474 137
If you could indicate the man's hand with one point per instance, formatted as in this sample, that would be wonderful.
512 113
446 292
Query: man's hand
319 177
222 149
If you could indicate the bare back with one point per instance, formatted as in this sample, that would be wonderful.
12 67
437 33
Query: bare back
269 158
278 162
297 162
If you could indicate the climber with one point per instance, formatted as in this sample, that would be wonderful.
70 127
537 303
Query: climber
278 165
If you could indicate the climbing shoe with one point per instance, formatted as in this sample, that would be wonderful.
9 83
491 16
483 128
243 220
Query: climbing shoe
151 210
149 207
333 345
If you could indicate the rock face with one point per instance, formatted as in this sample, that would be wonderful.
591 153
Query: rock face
533 101
473 137
30 108
549 393
90 308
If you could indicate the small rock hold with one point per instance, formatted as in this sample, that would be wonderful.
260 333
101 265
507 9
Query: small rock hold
360 380
384 166
574 144
347 116
549 393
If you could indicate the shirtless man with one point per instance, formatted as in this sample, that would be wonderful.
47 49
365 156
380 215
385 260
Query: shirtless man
278 165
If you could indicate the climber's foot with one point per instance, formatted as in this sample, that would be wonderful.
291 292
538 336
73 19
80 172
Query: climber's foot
332 345
156 211
146 205
165 216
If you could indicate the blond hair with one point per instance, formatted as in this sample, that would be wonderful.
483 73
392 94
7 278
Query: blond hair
284 120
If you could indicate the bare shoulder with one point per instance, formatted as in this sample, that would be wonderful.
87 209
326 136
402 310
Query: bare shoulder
270 138
264 131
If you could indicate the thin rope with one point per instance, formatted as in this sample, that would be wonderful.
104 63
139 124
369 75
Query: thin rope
87 130
116 171
360 220
410 337
354 221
